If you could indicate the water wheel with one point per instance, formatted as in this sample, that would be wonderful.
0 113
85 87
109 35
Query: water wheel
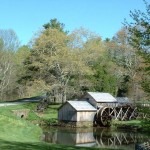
104 116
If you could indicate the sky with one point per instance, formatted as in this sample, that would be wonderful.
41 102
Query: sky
104 17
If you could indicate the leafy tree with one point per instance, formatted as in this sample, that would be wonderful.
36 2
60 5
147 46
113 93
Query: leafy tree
139 31
88 47
21 55
52 63
55 24
127 61
104 78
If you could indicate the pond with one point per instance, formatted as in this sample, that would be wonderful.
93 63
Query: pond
96 137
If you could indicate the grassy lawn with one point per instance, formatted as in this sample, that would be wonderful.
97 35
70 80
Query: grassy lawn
9 145
48 115
13 128
18 130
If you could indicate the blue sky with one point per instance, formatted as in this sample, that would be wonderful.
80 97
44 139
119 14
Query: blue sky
103 17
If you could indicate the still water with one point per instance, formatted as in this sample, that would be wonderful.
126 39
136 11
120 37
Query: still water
96 137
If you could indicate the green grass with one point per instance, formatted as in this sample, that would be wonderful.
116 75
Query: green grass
50 113
47 115
13 128
7 145
18 130
7 110
130 122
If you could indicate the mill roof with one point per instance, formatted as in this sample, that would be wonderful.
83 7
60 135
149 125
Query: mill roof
102 97
123 100
81 105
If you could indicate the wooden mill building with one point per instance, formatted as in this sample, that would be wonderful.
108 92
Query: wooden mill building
77 112
98 108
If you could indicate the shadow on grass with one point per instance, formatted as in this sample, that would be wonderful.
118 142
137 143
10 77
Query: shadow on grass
8 145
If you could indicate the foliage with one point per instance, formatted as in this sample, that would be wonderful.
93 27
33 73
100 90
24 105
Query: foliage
55 24
44 64
146 125
7 71
20 56
9 39
88 48
127 64
9 44
139 31
104 77
145 122
66 65
53 63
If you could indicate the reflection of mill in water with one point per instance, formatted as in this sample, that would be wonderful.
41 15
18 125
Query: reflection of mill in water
120 139
96 137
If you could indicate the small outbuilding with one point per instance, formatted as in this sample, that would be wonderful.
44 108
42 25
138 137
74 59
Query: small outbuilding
78 113
98 99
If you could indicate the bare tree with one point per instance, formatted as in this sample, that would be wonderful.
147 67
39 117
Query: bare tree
10 39
8 45
6 70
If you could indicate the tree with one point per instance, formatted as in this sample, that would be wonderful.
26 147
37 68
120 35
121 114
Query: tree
7 71
55 24
53 64
139 31
88 47
10 39
21 55
8 45
127 61
104 78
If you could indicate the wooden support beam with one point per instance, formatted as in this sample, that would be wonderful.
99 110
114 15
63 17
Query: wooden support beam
133 113
125 114
119 113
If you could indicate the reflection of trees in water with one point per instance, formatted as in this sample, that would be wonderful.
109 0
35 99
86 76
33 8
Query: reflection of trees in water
107 138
